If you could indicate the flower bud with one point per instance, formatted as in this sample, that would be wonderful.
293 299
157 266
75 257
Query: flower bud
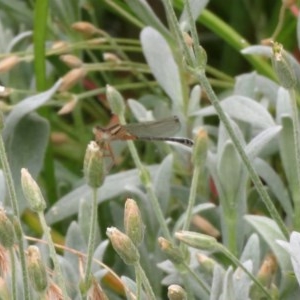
68 107
206 263
173 253
93 165
71 79
133 222
8 63
62 46
197 240
7 233
116 101
205 226
71 61
32 192
282 67
187 39
200 148
176 292
85 28
36 269
123 245
111 57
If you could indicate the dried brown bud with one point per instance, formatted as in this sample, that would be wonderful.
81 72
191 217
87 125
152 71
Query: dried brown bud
71 61
111 57
62 46
85 28
205 226
68 107
8 63
188 40
71 79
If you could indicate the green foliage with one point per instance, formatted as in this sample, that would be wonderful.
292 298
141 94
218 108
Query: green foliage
235 195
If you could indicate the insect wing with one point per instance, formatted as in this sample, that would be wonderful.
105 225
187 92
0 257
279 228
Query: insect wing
161 128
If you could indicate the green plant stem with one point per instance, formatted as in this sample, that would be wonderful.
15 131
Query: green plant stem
53 255
148 289
200 74
120 87
192 197
239 264
197 67
196 277
238 42
138 283
124 13
146 180
296 131
13 274
231 221
14 204
92 236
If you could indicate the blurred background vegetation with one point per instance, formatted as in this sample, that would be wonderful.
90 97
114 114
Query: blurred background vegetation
40 32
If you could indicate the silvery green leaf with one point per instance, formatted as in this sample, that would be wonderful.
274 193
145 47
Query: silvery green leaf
223 136
25 107
251 252
258 50
196 7
139 111
242 282
98 255
163 66
74 240
275 184
26 149
229 166
243 109
162 182
84 220
270 232
130 288
287 153
68 204
217 283
194 102
283 106
267 87
245 85
228 288
145 13
262 140
293 249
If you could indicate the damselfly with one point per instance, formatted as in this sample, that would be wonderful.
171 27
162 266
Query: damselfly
160 130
